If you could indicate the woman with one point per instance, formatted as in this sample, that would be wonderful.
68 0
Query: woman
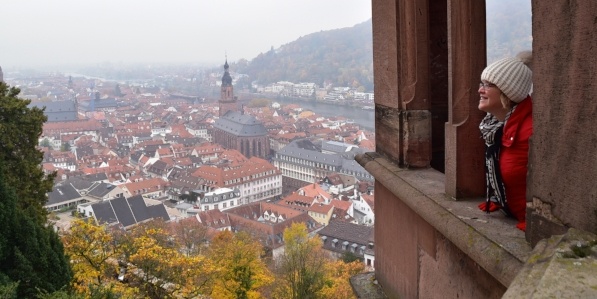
504 95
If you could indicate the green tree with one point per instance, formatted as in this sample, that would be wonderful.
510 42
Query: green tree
117 91
20 128
31 254
65 147
8 289
191 198
301 267
349 257
45 143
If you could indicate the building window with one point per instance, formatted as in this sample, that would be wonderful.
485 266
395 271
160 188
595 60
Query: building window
344 244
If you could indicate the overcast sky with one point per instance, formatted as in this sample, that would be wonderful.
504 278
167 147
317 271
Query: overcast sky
67 32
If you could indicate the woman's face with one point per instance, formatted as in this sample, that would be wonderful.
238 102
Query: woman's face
490 98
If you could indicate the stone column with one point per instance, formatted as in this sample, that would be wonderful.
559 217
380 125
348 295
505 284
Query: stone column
563 157
401 51
465 175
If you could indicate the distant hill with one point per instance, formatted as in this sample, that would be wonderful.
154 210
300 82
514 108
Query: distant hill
342 57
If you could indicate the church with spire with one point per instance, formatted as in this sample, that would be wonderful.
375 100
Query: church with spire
236 130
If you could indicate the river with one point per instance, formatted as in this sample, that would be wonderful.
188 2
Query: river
364 118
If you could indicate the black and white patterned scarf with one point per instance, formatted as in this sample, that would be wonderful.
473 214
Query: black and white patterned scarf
491 131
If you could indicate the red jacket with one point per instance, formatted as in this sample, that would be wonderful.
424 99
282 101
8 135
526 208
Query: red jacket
514 157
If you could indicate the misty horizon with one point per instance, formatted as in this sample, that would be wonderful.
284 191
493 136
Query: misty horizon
68 33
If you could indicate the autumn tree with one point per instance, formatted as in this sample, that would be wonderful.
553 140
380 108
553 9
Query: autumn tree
259 103
95 259
156 229
338 273
239 271
153 264
300 268
190 236
20 128
159 268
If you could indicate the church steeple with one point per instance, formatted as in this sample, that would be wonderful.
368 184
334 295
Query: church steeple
226 78
227 98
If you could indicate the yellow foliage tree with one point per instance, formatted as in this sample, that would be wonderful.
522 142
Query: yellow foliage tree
240 272
155 265
191 237
338 275
94 259
159 267
301 269
306 271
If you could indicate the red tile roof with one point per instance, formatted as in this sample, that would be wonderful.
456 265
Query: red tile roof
146 186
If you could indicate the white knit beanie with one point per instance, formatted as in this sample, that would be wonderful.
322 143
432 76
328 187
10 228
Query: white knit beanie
511 75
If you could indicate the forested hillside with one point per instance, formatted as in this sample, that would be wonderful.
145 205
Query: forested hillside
342 57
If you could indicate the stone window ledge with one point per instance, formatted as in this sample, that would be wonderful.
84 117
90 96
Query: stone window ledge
491 240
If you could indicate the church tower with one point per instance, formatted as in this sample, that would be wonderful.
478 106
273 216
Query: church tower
227 99
235 130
